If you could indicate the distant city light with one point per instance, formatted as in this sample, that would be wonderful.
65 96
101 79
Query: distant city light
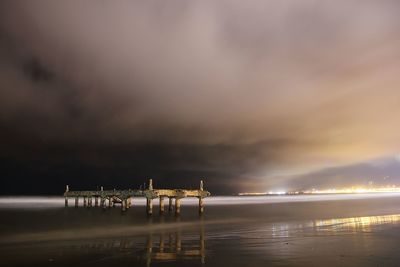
355 190
347 190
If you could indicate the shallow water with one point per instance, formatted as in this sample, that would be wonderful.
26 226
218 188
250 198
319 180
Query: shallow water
334 230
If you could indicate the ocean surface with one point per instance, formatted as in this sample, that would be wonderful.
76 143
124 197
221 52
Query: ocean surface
317 230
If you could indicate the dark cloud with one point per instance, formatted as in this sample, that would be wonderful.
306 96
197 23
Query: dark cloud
36 71
246 95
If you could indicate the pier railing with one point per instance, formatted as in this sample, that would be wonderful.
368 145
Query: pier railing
109 198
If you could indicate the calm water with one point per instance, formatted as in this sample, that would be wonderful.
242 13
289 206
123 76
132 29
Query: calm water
342 230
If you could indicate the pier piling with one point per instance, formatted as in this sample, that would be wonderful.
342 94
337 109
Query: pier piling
161 204
66 198
149 205
201 205
177 206
123 205
170 204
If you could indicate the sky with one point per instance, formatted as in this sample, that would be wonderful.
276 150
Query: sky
246 95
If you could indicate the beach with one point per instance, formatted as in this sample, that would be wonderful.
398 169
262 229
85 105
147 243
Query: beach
327 230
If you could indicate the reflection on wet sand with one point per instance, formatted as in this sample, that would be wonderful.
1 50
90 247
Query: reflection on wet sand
333 226
169 248
181 246
355 224
158 247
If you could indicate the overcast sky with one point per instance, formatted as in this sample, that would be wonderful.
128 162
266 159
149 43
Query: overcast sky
249 95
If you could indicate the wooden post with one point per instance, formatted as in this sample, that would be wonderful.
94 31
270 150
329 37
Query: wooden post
177 206
66 198
90 202
201 205
76 202
84 201
109 202
169 204
123 204
96 201
161 204
149 206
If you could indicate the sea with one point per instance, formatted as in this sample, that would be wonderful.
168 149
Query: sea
300 230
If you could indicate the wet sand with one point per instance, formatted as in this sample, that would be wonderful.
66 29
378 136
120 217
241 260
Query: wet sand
343 230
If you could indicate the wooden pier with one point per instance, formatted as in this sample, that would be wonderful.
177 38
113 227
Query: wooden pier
108 198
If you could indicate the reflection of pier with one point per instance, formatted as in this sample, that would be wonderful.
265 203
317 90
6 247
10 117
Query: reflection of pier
125 197
169 248
156 247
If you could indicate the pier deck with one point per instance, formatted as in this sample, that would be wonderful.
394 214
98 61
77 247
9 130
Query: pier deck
124 197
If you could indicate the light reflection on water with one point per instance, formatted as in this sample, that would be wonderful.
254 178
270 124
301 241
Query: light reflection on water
332 226
180 246
356 224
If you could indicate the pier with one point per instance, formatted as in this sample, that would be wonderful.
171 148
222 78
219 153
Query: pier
124 198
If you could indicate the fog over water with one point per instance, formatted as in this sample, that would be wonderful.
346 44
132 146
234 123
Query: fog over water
28 202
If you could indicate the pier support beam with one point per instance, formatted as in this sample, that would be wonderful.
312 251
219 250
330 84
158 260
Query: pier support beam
90 202
170 204
66 198
76 202
129 203
96 201
161 204
149 206
201 205
177 206
123 204
84 201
